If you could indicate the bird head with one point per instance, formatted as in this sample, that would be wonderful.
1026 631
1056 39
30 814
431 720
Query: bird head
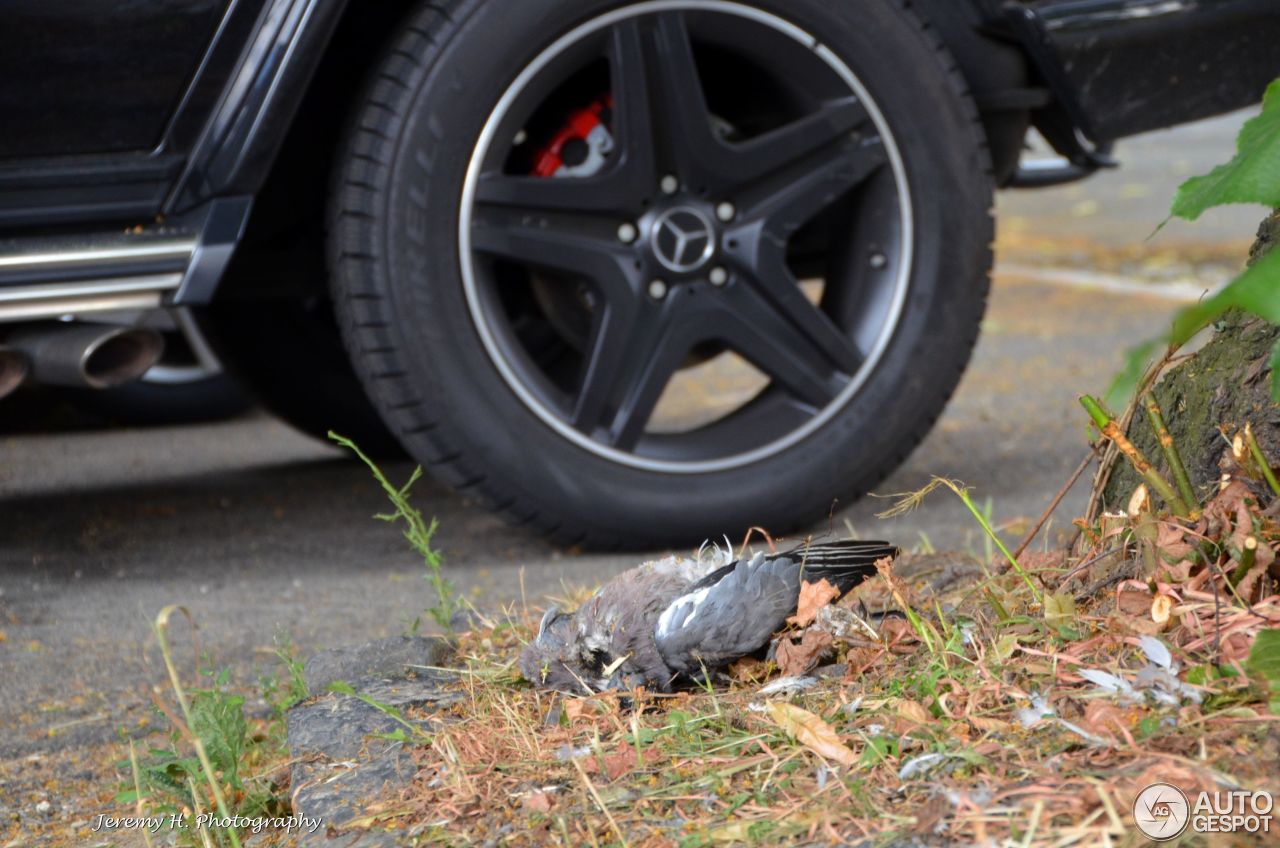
552 659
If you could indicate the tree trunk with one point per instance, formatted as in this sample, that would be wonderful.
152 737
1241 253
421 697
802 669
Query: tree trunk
1219 389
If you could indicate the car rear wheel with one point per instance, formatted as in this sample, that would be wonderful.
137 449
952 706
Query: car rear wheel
644 273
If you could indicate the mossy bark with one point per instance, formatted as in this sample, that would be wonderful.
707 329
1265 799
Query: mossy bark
1224 385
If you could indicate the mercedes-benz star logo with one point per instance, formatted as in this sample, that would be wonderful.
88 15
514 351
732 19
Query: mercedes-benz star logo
683 239
1161 811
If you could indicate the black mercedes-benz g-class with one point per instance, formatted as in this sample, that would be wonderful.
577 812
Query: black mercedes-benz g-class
624 269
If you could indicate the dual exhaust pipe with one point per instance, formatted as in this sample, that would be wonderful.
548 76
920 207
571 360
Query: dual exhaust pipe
87 356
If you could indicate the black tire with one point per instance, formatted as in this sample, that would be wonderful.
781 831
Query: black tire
404 313
288 355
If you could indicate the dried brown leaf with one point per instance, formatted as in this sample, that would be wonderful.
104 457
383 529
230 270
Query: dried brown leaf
797 658
813 597
1104 717
540 802
898 632
748 670
621 761
989 725
812 732
1134 603
573 708
1171 542
1161 607
1142 625
912 711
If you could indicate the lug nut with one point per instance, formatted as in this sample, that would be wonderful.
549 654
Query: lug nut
627 233
878 260
725 211
669 184
657 289
718 276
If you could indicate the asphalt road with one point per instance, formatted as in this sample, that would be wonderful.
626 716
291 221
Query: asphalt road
263 533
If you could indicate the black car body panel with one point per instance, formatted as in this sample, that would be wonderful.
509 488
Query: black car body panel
1140 65
82 77
148 108
145 111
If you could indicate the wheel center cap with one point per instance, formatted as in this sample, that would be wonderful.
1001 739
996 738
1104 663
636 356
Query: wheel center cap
684 238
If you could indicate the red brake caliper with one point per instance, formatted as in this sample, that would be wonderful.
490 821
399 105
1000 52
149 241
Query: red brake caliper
580 148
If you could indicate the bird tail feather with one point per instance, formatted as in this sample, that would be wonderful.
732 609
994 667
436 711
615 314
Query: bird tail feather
844 563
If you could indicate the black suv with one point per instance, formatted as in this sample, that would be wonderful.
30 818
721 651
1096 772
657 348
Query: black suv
627 271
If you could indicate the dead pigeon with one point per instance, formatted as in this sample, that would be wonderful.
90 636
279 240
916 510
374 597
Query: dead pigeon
675 617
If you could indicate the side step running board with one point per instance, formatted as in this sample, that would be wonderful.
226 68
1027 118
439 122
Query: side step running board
54 300
49 277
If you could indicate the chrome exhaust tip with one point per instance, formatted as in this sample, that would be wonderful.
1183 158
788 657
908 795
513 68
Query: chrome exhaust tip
14 369
92 356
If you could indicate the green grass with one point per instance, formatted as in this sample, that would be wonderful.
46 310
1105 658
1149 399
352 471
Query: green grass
419 532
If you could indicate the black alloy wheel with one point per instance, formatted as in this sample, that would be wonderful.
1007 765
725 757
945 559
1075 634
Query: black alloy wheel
658 190
682 240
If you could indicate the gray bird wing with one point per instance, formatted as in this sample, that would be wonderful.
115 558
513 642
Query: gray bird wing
731 617
735 610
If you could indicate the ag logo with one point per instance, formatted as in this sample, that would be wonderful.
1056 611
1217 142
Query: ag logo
1161 811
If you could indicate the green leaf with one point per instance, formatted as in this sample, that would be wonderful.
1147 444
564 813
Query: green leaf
1252 176
1263 664
1275 372
877 750
1257 290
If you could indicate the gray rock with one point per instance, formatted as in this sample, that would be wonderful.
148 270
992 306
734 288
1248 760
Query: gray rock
338 792
381 658
338 727
342 763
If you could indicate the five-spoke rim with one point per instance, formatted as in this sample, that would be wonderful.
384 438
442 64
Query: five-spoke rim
683 238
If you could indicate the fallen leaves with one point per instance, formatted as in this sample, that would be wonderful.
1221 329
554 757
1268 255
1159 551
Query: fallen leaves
1059 609
1028 728
794 659
1161 607
538 802
1131 601
748 670
913 711
812 732
813 597
621 761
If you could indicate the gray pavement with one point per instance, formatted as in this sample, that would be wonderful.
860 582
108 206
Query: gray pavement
261 532
1123 207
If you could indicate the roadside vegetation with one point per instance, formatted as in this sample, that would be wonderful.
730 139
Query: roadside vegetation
1010 702
217 760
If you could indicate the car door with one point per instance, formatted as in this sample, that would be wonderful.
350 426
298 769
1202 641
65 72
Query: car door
99 101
